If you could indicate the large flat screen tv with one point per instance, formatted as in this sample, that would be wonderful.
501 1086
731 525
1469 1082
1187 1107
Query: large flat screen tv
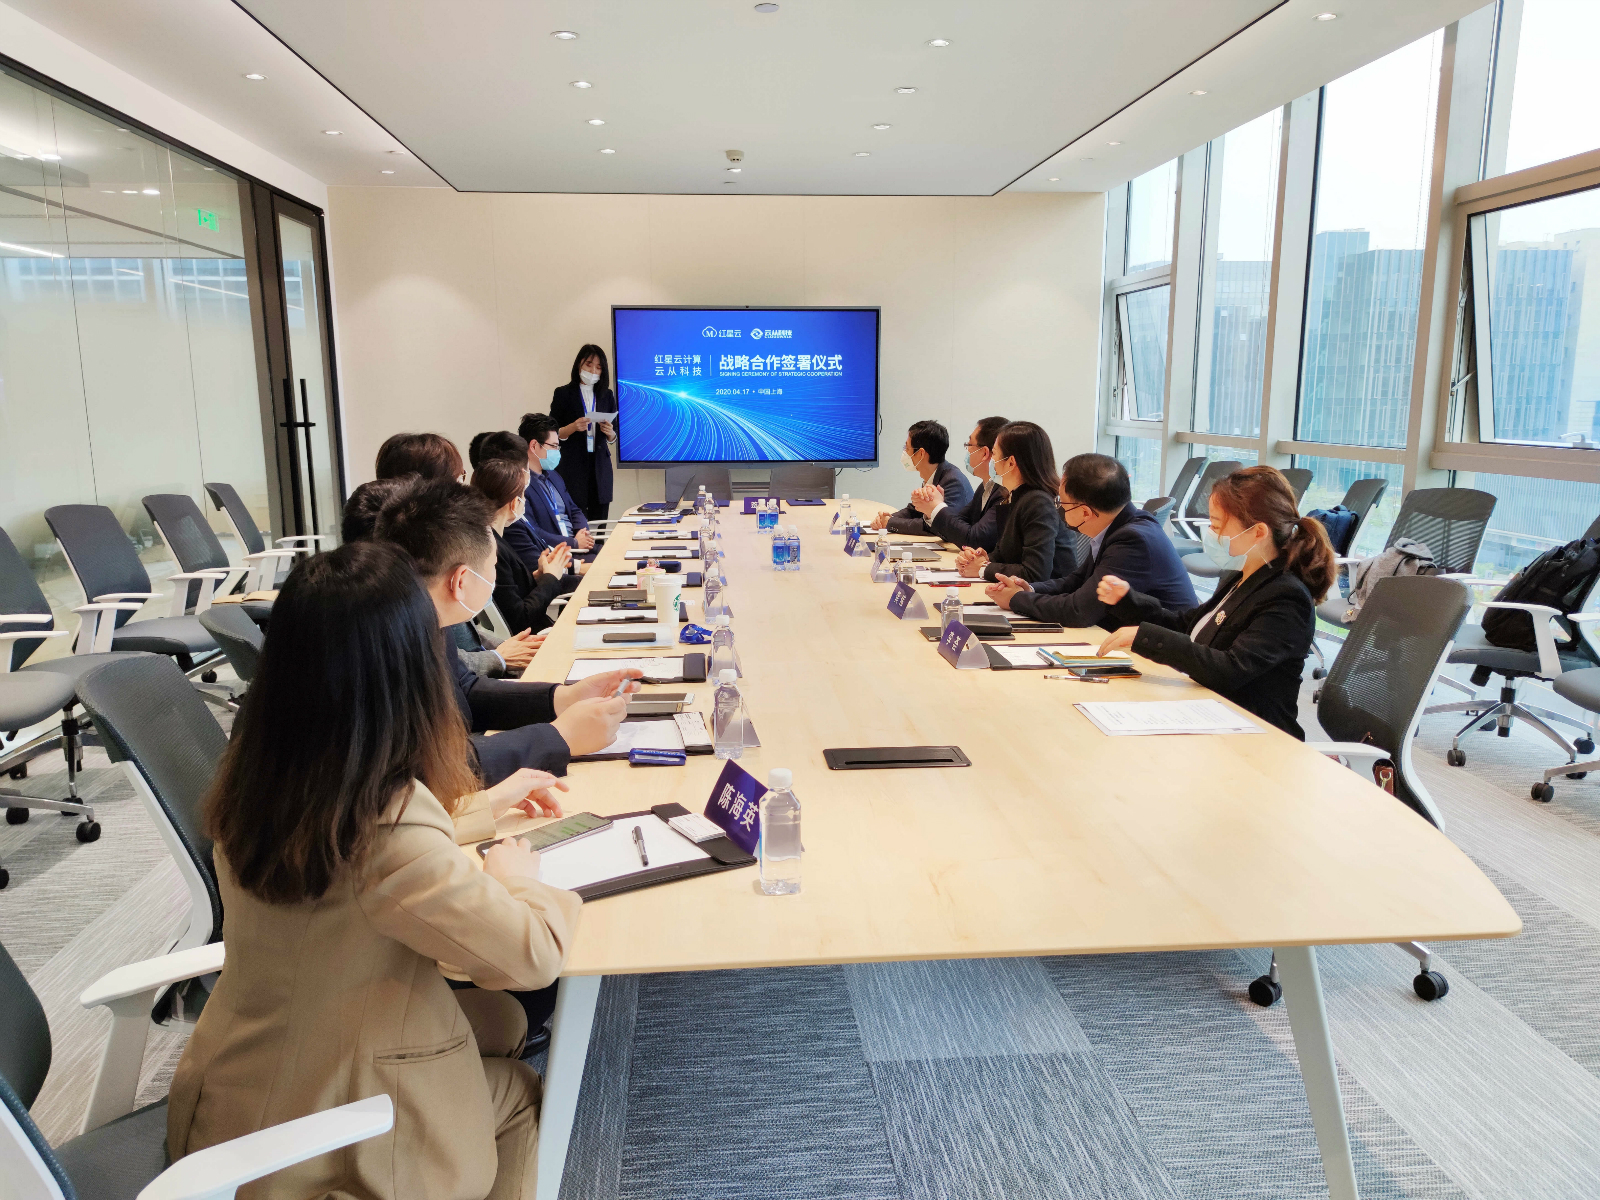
746 385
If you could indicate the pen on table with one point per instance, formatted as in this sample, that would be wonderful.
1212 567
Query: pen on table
638 844
1048 661
1079 678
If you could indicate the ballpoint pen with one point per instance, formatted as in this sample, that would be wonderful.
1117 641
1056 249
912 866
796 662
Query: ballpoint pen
1078 678
638 844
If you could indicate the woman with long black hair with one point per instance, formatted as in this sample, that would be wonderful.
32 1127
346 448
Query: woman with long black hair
1034 542
336 854
586 412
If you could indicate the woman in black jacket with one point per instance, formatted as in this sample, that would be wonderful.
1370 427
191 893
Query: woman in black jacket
1034 544
586 412
521 595
1249 641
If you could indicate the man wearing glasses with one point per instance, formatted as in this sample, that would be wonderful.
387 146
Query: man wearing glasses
977 523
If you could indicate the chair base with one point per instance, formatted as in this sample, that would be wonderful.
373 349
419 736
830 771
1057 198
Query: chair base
1503 713
1266 990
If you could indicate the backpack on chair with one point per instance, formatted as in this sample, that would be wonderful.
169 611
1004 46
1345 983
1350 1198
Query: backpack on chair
1561 578
1340 522
1404 557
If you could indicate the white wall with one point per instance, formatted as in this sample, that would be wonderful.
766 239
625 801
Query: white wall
460 312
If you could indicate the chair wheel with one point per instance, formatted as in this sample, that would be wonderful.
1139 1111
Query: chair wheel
1584 745
208 677
1264 992
19 772
1456 758
1430 985
1576 774
5 877
88 831
1544 792
1318 673
16 816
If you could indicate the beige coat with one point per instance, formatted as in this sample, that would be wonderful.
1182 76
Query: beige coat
330 1001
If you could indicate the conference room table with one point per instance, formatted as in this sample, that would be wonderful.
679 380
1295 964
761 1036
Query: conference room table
1057 840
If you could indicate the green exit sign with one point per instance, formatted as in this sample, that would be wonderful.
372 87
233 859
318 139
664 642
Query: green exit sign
207 218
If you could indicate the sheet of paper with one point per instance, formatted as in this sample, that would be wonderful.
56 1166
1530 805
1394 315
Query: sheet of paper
632 615
1029 656
656 670
635 555
944 576
643 735
611 854
657 533
623 581
1123 718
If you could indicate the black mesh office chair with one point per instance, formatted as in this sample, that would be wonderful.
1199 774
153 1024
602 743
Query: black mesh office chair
684 482
1299 479
1361 498
1196 514
124 1150
183 527
1184 480
239 636
800 481
1159 507
268 561
1372 700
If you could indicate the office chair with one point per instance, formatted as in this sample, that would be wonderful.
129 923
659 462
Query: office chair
1184 480
226 497
1546 662
26 700
800 481
1196 514
1159 507
109 572
1361 498
1299 479
239 636
122 1151
684 481
1372 701
183 527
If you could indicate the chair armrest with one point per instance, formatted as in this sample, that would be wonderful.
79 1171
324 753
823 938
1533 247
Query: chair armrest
1362 750
217 1172
127 596
21 634
120 606
1543 636
302 537
260 554
1473 580
208 573
1346 561
25 618
152 974
94 632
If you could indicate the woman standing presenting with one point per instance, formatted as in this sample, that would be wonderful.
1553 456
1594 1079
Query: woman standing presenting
586 411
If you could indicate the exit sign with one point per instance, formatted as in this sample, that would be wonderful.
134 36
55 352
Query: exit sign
207 219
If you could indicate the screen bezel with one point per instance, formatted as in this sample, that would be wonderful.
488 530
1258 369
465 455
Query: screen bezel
877 390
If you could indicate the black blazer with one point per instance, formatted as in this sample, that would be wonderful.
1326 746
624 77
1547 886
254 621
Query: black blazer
1254 657
978 524
1033 539
587 476
521 595
522 710
957 491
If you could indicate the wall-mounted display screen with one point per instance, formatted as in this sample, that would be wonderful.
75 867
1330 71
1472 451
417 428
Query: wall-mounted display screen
746 385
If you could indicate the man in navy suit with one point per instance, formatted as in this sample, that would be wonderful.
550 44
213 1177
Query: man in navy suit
923 453
1124 541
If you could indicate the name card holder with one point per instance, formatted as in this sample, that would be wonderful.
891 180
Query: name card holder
833 523
906 603
735 806
851 539
962 649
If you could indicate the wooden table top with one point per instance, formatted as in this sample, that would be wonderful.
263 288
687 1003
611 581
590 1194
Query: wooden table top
1057 840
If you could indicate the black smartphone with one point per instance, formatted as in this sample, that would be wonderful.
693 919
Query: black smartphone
620 636
567 829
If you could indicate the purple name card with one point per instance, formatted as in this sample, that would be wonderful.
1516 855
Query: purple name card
735 805
851 539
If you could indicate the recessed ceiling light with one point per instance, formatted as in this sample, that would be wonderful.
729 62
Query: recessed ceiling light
883 126
334 132
863 153
941 43
1198 92
581 83
208 168
108 191
254 77
130 191
729 182
1054 179
51 157
1113 143
596 121
1326 17
734 170
608 151
386 172
1086 160
905 91
152 191
766 8
565 35
395 152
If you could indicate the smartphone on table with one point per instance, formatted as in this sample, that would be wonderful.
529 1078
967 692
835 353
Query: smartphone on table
567 829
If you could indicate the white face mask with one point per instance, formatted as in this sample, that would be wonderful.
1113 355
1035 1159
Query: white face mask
473 612
589 378
994 474
906 462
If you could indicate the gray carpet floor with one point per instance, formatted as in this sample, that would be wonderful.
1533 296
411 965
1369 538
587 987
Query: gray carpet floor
1141 1076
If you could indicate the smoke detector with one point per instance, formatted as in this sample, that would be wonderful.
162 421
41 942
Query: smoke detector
735 156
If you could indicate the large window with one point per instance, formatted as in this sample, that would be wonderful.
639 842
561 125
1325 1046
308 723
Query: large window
1142 343
1530 517
1142 458
1365 278
1238 276
1152 205
1553 113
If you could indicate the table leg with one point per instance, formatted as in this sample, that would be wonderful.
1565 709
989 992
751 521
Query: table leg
563 1075
1308 1019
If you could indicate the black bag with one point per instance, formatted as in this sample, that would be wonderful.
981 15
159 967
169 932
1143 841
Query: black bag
1340 523
1561 578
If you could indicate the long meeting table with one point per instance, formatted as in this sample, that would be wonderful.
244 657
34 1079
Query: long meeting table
1057 840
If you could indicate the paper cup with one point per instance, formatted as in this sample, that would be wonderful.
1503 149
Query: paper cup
667 593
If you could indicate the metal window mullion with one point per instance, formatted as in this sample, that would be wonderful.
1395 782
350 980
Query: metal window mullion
1291 270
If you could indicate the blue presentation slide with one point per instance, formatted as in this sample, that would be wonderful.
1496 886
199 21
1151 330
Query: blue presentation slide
746 385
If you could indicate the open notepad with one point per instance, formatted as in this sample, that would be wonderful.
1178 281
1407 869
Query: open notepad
1124 718
611 854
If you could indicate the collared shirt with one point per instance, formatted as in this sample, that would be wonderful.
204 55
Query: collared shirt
552 497
1094 543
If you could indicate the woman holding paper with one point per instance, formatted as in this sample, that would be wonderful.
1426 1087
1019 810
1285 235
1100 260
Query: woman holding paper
1249 641
586 411
337 863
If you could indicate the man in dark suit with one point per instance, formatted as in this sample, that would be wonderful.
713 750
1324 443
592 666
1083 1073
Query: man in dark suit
978 524
1124 540
924 451
444 526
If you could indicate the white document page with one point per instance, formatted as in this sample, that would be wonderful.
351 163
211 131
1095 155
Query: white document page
635 555
657 533
1122 718
633 615
611 854
643 735
663 670
623 581
944 576
1029 656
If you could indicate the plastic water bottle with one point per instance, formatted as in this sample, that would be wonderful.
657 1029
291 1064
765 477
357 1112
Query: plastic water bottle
715 590
843 523
727 717
794 548
761 514
723 656
700 500
882 567
772 514
907 571
708 546
779 849
780 549
949 609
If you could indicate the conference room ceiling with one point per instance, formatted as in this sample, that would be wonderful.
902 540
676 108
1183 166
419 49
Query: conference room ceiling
478 94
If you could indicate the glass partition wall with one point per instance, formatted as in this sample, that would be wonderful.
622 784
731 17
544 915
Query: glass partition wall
134 334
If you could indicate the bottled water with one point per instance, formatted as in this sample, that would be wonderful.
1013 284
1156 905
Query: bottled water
949 609
772 514
723 656
882 567
906 572
727 717
715 589
843 523
779 849
764 515
700 500
708 545
780 549
793 539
